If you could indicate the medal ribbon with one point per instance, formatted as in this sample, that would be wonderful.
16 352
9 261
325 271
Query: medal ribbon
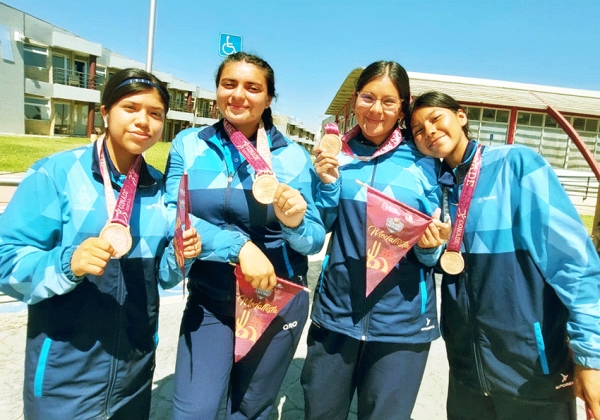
332 128
120 208
464 202
391 143
260 157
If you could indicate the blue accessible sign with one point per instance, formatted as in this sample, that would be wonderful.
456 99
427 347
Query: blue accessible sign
229 44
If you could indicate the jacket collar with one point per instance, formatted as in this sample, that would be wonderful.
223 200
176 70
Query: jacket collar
145 180
448 176
217 130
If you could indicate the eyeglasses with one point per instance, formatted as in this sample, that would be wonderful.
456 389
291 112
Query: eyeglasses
367 100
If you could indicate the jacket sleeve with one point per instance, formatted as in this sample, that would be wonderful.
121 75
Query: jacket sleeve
560 244
432 194
327 201
34 265
309 237
217 244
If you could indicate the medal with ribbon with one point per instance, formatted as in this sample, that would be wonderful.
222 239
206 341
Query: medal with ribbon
331 141
116 231
452 261
391 143
259 158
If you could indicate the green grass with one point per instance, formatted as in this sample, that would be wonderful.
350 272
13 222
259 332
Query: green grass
588 221
17 153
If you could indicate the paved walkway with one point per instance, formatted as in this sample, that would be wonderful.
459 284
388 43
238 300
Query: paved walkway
430 402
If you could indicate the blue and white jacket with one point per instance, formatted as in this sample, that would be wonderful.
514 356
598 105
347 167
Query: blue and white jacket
531 286
227 215
402 308
91 340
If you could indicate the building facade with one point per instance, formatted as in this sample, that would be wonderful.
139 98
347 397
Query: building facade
51 82
509 113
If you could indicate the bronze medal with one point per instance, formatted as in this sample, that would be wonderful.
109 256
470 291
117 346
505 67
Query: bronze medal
331 143
452 262
118 236
264 187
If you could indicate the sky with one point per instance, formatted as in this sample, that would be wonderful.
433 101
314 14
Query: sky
313 45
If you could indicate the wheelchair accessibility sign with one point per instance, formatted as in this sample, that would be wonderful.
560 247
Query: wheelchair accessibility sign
229 44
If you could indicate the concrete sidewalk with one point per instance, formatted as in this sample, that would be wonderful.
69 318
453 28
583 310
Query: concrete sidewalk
430 402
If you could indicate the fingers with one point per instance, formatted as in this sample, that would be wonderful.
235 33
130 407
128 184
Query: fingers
192 243
91 257
289 200
256 267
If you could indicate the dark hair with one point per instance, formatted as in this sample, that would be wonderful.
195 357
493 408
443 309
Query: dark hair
394 71
267 71
438 100
130 81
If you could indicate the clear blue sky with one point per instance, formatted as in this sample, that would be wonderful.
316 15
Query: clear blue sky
313 44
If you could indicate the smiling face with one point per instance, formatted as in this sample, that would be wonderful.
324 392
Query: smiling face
376 117
438 132
135 123
242 96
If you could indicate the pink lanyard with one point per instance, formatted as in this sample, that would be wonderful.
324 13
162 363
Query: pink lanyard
464 203
391 143
260 157
120 208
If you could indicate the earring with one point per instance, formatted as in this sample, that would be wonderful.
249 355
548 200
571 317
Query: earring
106 121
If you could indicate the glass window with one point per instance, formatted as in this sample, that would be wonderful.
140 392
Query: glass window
100 75
35 56
591 125
474 113
488 114
550 122
523 118
537 120
37 108
502 115
579 123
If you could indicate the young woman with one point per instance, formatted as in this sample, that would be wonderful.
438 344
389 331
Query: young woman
83 243
527 295
268 239
376 345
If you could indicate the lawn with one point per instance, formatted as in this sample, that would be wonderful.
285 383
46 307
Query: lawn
17 153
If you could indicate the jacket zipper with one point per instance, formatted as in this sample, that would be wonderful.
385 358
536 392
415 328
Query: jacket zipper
367 318
112 377
472 321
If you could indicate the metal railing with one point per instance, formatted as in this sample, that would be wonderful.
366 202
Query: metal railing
76 78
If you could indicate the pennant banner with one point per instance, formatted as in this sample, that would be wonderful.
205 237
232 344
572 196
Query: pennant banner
182 222
392 229
253 315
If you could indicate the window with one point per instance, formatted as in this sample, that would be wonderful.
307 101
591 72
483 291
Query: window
536 120
579 124
488 114
502 116
473 113
35 56
100 76
591 125
523 118
550 122
37 108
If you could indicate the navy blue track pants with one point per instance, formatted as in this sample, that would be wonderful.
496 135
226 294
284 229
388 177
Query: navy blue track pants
466 404
205 370
386 376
